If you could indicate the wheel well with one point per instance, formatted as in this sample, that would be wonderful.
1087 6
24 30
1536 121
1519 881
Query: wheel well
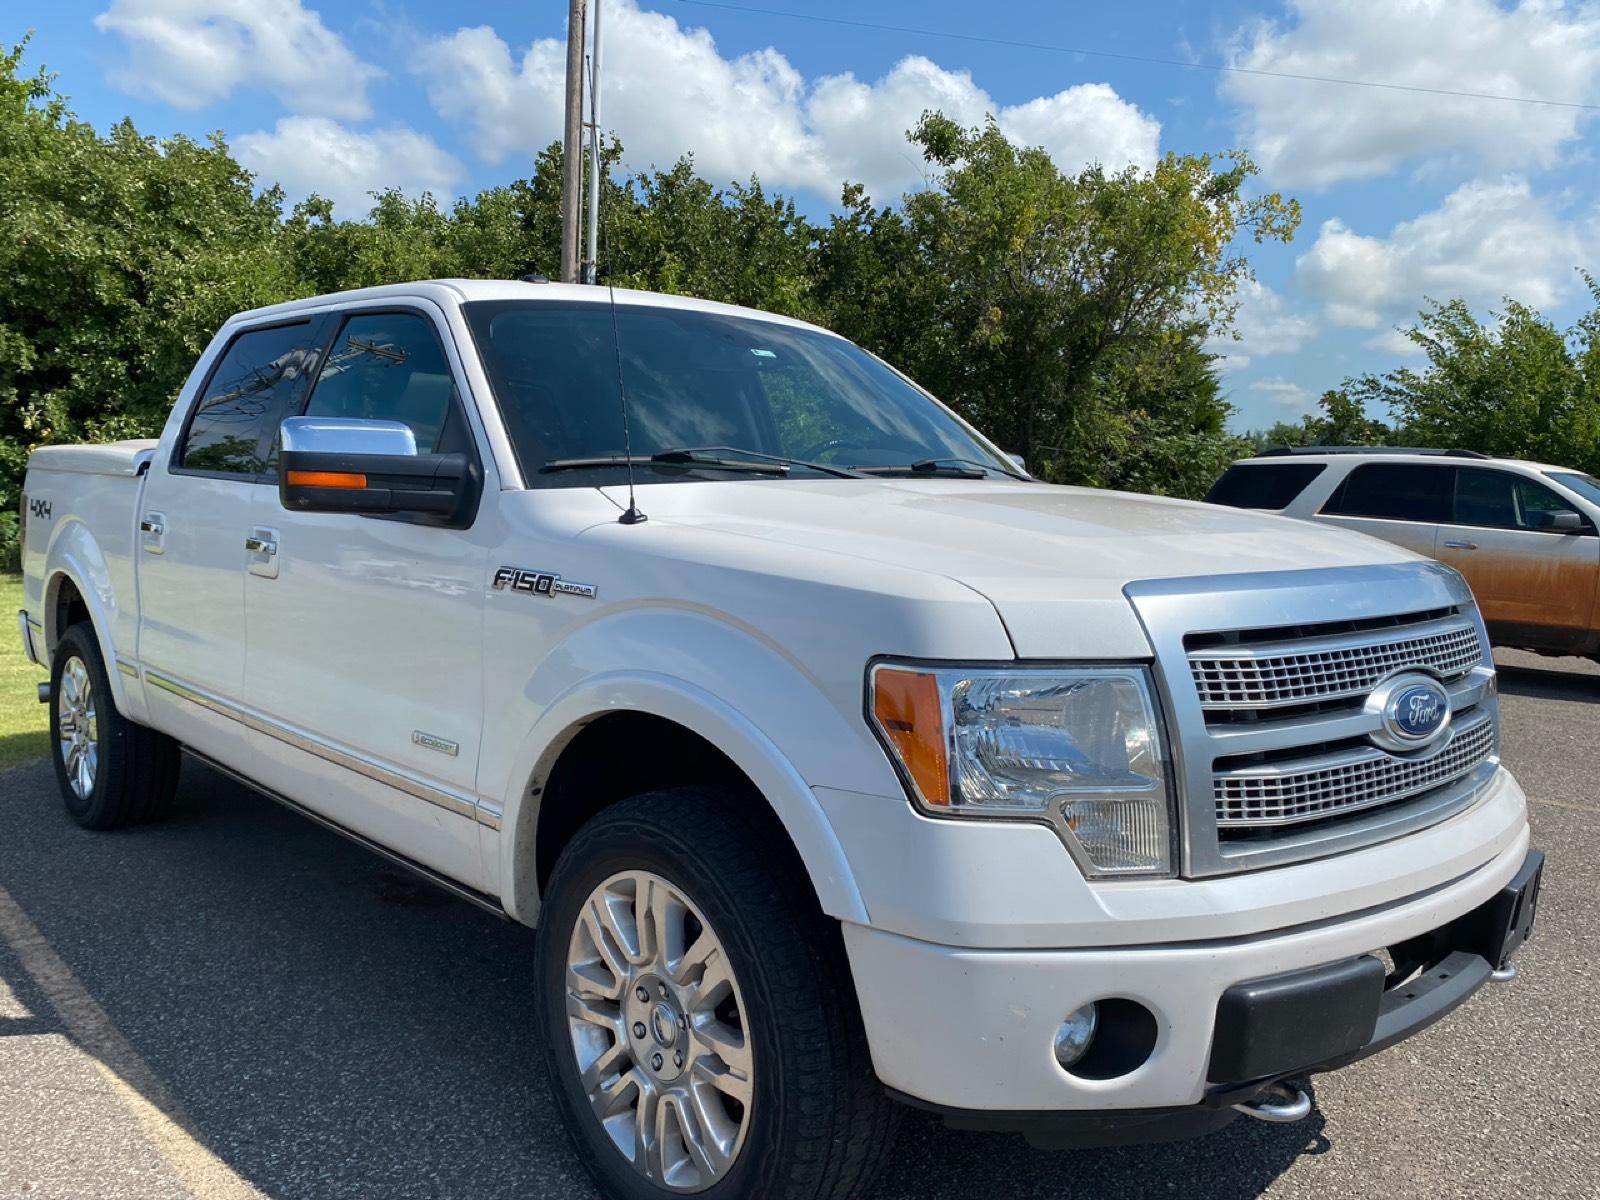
67 609
623 754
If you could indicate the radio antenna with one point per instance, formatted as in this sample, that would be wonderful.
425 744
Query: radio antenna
633 516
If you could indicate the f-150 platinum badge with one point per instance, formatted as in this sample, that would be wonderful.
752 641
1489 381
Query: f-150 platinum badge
539 583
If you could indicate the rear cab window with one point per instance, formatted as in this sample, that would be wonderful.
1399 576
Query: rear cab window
1394 492
261 378
1267 486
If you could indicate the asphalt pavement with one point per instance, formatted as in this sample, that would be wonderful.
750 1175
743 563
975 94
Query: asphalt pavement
237 1003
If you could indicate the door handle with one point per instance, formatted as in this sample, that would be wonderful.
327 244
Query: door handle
152 526
259 545
1461 545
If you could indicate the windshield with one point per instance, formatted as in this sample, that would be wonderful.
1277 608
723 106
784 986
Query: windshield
698 379
1586 486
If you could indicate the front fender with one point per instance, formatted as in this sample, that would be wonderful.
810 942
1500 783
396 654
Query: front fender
721 682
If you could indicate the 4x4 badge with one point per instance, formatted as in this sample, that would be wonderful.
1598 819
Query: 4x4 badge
539 583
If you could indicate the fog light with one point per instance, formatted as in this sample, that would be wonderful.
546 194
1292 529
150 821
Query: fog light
1075 1034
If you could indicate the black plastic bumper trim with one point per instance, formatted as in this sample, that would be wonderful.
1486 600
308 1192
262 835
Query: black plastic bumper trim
1298 1024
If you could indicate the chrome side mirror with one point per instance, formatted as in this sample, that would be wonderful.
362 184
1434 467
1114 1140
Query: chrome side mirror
372 468
347 435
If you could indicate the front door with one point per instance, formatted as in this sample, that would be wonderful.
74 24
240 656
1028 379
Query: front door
1536 586
197 507
365 667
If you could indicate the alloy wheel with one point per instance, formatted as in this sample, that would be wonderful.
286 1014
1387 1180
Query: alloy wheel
659 1032
77 729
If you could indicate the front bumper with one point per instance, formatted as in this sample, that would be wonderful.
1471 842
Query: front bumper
970 1033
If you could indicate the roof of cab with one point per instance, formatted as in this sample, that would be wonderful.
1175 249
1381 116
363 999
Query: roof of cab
448 292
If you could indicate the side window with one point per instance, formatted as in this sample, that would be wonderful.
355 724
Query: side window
1394 492
1486 498
387 367
1501 500
1269 486
261 378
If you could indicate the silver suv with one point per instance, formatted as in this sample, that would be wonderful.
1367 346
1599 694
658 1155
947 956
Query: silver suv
1523 533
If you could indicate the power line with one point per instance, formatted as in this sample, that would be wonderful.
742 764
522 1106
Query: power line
1219 68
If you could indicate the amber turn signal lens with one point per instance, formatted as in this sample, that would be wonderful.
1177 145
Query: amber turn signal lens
327 479
906 706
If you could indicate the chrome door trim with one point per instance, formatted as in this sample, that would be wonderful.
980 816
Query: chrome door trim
127 668
459 803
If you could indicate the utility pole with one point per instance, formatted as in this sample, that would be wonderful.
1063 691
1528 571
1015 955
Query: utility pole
572 144
591 264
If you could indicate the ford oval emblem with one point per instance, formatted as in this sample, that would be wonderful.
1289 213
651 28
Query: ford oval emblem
1413 712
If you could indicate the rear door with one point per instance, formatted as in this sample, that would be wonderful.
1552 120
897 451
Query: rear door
365 666
196 514
1536 586
1398 502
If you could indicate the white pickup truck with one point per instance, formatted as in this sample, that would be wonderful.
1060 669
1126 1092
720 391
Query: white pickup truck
838 764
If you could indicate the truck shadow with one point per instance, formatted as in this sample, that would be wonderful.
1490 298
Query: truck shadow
328 1029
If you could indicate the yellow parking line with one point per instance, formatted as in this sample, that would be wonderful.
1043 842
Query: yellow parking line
138 1087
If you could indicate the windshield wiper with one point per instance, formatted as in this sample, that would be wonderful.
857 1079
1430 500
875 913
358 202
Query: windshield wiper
825 468
669 458
715 458
948 468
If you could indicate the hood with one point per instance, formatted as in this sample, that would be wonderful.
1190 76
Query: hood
1052 560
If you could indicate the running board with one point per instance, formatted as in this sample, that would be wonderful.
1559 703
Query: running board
460 891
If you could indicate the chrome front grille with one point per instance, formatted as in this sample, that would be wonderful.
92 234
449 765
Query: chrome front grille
1265 680
1282 673
1336 784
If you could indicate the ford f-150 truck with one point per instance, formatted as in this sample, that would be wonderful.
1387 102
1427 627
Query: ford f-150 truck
838 764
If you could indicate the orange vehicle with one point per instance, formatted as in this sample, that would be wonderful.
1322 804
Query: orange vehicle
1526 535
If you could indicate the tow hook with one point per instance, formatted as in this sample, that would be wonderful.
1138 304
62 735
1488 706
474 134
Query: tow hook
1280 1103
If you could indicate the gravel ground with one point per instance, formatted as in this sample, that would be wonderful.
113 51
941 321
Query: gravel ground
260 1000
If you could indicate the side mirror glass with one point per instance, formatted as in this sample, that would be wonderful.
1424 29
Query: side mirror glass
1559 522
372 468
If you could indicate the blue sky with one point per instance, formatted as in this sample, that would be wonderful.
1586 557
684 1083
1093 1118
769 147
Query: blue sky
1406 194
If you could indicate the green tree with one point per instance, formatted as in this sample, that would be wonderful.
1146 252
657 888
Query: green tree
1519 387
1049 290
1344 422
121 254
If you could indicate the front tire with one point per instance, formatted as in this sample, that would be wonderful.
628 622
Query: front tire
700 1025
111 771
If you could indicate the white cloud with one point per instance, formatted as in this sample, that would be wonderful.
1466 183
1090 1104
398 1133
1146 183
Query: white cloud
668 90
191 53
314 154
1488 240
1264 326
1287 395
1314 134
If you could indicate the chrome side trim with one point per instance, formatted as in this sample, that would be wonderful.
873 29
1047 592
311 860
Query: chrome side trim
127 668
452 801
461 891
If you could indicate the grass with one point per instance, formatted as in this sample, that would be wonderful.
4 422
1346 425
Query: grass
24 722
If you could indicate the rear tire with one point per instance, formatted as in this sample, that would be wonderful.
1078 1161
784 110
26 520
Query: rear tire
111 771
779 1101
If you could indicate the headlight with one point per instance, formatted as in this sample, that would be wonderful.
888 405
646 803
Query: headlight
1079 748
